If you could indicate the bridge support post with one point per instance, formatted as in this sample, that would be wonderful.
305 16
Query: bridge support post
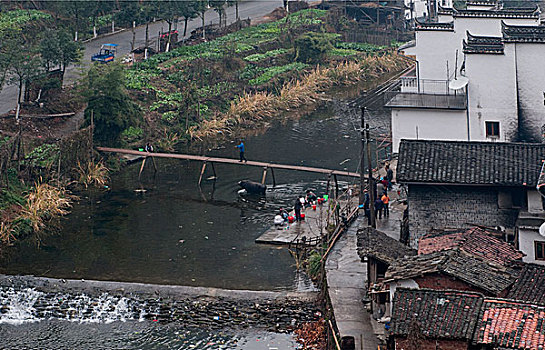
202 172
214 171
142 168
327 186
336 186
264 175
274 180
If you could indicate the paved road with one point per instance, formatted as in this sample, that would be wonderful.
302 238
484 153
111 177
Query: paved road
247 9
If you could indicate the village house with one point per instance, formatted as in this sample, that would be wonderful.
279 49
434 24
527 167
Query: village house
509 324
379 251
472 260
455 94
460 184
530 285
482 243
434 319
451 269
431 319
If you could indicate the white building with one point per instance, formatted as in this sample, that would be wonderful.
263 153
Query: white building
477 78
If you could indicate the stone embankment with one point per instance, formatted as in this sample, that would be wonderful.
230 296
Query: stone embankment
191 307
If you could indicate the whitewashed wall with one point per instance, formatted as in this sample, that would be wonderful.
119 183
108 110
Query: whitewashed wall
531 88
526 245
492 94
432 124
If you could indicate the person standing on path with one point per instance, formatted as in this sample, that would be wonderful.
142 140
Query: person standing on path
385 204
389 175
297 208
378 207
241 148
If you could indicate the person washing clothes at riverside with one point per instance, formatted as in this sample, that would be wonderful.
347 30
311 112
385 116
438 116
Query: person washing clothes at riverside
242 149
311 198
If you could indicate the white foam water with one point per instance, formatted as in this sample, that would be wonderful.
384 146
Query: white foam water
30 305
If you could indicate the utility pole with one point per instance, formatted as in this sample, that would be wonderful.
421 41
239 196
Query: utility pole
372 194
362 156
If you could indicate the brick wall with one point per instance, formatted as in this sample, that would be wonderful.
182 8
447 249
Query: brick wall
441 282
454 206
402 344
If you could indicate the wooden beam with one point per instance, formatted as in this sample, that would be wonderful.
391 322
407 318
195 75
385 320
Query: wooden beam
142 167
231 161
274 180
264 175
202 172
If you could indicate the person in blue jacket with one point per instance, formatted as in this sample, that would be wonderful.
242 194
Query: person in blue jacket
241 149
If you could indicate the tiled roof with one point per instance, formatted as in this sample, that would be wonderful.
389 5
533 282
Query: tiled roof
483 44
472 163
474 241
449 26
530 285
440 314
510 325
528 12
485 276
376 244
523 34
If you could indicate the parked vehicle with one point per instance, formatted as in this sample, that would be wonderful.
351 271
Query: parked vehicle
106 54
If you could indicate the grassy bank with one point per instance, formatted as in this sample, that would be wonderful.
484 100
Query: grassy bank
246 79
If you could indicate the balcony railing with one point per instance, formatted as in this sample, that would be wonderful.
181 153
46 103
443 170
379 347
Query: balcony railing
415 100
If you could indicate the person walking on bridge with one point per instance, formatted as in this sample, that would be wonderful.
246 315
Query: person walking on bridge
241 148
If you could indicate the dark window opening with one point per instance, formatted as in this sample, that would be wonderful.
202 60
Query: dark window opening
540 250
492 129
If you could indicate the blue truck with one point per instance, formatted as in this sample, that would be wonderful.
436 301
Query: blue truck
106 54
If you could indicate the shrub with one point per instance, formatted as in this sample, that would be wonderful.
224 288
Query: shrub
311 47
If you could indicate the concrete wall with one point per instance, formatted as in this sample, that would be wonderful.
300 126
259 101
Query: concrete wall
454 206
535 202
531 89
492 94
526 239
427 124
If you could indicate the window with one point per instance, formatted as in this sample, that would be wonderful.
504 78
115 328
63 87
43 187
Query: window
540 250
492 129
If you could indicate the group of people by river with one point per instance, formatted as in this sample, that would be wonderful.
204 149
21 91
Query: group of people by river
382 201
308 200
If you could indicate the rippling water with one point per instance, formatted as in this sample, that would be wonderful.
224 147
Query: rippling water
173 233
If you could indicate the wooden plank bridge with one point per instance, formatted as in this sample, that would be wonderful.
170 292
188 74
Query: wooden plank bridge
265 165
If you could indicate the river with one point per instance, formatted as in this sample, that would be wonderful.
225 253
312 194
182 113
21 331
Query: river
174 233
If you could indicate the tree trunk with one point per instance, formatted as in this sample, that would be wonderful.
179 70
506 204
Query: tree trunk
185 26
203 30
19 100
147 33
236 10
169 35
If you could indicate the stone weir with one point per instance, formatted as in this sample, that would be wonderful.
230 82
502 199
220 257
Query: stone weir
30 299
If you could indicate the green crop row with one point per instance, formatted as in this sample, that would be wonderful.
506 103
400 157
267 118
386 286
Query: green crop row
362 47
261 56
342 52
271 72
16 18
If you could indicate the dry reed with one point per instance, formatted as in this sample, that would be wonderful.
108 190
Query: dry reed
252 110
95 174
44 203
